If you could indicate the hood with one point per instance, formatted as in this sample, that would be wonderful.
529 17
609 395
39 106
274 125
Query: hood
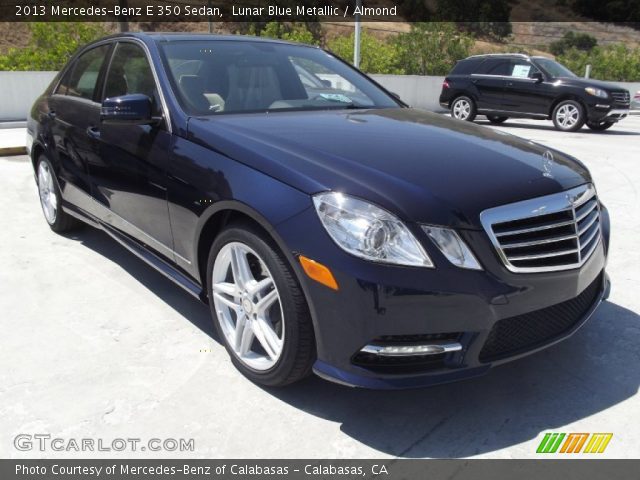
423 167
589 82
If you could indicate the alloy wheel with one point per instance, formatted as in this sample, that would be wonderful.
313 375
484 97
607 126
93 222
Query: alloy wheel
247 306
461 109
568 116
47 192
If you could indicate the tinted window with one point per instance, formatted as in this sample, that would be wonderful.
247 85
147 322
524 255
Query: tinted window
496 66
466 67
82 82
63 86
130 72
554 68
215 77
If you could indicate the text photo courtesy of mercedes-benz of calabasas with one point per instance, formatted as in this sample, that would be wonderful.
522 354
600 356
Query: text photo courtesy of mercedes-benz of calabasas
330 228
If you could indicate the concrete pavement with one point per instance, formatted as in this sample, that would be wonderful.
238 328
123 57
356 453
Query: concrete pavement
96 344
12 141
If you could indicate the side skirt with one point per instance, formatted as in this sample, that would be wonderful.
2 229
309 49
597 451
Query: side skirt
144 254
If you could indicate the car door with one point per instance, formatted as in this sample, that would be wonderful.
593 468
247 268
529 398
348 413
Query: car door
490 82
129 181
525 94
73 108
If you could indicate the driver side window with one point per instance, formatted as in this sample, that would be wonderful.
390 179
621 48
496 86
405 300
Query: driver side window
130 73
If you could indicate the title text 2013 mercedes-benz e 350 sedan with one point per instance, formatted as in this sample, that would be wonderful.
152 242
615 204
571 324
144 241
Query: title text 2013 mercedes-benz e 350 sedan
329 227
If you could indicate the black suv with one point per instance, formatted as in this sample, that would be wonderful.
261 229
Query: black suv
515 85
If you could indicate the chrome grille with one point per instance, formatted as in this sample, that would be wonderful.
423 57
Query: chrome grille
621 96
555 232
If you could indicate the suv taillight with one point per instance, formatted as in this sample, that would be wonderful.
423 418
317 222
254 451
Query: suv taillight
445 84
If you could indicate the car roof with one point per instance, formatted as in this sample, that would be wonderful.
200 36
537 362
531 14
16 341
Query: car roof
182 36
508 55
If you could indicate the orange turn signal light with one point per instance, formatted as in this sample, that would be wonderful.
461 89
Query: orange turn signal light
318 272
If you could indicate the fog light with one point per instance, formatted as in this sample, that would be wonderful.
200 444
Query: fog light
409 350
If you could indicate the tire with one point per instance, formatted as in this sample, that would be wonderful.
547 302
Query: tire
599 126
261 357
568 116
464 108
50 198
497 120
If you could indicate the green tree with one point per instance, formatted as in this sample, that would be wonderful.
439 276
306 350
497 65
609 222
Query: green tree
291 32
616 62
376 56
478 16
432 48
51 46
580 41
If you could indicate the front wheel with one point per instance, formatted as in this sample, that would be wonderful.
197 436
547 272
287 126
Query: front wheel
599 126
463 108
258 308
497 120
568 116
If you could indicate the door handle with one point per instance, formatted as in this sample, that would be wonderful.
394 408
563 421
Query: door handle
93 132
475 80
509 84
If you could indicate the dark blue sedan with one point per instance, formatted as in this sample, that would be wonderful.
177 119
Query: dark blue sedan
330 228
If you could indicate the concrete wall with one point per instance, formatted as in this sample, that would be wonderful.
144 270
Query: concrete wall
18 91
416 90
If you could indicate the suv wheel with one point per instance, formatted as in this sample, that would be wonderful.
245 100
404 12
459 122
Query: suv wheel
599 126
259 310
568 116
497 120
51 200
463 108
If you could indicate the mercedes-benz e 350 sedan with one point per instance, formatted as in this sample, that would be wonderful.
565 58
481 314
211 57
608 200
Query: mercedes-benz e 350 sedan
330 228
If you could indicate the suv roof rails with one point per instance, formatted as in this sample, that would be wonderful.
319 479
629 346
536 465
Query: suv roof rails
521 55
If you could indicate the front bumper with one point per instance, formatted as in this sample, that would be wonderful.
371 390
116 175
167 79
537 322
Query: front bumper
603 112
377 301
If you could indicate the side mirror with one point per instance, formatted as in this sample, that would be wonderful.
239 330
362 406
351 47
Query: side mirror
537 76
133 109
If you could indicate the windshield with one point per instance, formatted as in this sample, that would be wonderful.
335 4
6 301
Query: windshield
213 77
553 68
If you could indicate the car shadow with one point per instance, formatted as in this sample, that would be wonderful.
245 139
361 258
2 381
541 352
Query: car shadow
588 373
542 125
183 303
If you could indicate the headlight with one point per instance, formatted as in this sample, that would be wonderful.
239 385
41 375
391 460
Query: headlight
452 247
369 232
596 92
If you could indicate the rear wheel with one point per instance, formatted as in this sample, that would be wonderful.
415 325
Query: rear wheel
599 126
50 198
463 108
258 308
568 116
497 120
